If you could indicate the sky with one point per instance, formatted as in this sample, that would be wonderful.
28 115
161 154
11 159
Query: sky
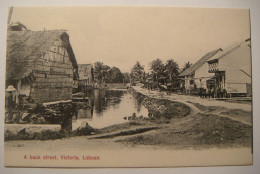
120 36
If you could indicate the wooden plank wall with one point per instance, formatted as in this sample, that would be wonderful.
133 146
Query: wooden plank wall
53 75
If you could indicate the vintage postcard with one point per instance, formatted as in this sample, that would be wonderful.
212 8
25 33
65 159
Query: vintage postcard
128 87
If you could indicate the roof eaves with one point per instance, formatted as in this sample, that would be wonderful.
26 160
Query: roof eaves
200 62
229 50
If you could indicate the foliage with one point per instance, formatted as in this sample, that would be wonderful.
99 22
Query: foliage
105 74
186 66
172 70
137 73
157 71
126 77
115 75
101 72
160 73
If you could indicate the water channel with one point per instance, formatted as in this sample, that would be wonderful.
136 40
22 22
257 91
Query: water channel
108 107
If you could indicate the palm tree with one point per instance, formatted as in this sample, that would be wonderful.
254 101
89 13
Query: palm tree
172 70
101 72
157 70
186 66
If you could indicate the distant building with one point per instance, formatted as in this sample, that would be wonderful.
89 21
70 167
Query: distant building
41 64
231 69
197 74
86 76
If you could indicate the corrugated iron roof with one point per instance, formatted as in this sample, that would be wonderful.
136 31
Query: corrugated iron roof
200 62
230 49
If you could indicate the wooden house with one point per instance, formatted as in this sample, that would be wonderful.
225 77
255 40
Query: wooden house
231 69
41 64
86 76
197 74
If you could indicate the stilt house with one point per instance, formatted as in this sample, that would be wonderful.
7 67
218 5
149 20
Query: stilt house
197 75
231 69
41 64
86 76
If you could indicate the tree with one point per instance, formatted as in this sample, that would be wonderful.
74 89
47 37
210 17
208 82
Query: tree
101 72
126 77
115 75
137 73
157 71
172 70
186 66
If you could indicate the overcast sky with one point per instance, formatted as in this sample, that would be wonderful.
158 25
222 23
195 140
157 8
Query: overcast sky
119 36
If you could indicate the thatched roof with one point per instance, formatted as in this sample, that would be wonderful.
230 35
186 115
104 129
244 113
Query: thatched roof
17 27
24 48
83 68
199 63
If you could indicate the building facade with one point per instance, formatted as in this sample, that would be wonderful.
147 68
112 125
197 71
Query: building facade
86 76
232 69
41 65
195 76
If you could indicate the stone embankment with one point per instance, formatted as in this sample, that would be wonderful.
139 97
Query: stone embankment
161 108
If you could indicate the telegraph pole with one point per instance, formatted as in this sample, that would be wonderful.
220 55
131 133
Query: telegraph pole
10 15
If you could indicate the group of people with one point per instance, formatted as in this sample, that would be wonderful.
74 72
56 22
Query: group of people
213 92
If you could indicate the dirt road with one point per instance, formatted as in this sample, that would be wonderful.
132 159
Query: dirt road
194 99
236 111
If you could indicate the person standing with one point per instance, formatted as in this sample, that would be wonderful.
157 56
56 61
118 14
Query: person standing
212 92
10 102
218 92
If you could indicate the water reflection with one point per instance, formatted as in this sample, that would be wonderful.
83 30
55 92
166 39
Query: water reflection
108 107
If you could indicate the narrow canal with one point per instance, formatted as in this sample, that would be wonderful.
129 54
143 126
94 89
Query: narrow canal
108 107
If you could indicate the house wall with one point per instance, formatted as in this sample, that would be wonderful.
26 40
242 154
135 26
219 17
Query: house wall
89 76
84 85
189 86
203 74
235 80
86 75
53 75
24 87
187 82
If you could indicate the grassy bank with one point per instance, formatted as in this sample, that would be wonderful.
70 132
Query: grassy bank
25 134
207 128
200 130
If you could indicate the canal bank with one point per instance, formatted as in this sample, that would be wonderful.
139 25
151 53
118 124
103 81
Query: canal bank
105 111
168 124
204 127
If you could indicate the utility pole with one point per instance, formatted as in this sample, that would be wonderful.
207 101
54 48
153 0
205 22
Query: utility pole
10 15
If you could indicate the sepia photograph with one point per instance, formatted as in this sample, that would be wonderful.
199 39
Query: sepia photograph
128 86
